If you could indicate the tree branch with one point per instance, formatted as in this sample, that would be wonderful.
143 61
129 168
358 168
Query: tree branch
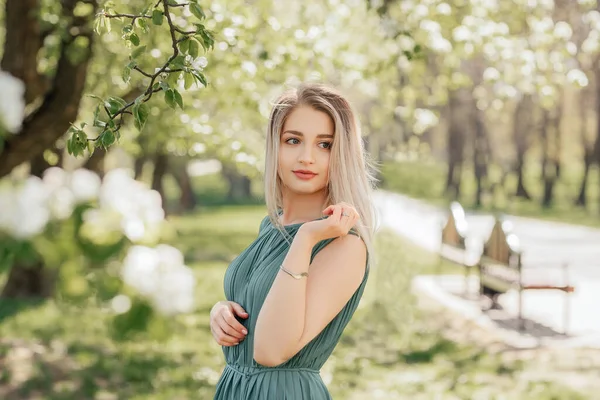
138 69
150 90
132 16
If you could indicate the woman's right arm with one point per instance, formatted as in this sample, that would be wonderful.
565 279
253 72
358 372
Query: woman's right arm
226 330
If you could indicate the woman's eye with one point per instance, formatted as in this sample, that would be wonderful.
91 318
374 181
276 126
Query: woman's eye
325 145
292 141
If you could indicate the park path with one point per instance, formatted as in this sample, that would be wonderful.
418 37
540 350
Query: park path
544 243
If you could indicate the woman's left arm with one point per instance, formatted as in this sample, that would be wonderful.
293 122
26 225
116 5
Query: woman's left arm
295 311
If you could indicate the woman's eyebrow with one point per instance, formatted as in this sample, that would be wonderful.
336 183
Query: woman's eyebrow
298 133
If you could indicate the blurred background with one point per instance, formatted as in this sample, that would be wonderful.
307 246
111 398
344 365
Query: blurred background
131 156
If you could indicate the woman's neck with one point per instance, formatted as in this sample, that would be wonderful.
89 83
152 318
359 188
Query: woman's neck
302 208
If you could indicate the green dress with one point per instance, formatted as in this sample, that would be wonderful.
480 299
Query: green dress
247 282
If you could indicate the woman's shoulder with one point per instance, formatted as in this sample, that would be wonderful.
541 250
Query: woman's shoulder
264 223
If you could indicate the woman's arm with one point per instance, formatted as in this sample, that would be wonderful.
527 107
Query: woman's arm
295 311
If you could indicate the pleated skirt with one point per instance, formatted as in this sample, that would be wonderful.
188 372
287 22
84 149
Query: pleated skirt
261 383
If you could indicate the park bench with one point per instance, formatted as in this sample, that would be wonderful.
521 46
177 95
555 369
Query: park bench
453 246
501 269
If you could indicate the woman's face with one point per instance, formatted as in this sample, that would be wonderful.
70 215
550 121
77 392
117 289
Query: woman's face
304 150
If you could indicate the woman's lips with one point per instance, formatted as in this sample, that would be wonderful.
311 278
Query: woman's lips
304 175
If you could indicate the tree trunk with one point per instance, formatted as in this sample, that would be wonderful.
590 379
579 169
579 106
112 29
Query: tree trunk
96 162
588 150
550 158
481 155
38 165
160 169
138 166
239 185
23 40
522 126
582 197
187 199
60 105
29 281
459 113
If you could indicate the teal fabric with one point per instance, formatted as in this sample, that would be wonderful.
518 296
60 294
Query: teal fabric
247 282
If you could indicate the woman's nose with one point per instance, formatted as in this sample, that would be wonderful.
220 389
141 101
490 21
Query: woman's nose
306 155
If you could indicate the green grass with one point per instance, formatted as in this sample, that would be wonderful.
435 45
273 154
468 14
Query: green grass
426 180
391 350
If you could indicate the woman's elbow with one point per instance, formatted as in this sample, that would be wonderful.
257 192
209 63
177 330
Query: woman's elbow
267 357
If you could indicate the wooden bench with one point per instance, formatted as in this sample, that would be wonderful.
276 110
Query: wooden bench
501 269
453 246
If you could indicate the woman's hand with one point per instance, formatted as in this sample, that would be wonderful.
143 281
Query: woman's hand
342 217
227 330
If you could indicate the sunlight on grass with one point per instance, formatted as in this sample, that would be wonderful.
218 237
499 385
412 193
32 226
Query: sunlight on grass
391 349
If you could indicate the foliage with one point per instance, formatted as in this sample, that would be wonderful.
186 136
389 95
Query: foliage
102 238
183 62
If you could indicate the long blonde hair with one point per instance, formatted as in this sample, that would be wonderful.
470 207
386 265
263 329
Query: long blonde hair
351 174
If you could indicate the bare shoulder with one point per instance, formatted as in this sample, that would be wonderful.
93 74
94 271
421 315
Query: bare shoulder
348 252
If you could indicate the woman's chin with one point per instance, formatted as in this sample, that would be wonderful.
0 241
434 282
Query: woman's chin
306 189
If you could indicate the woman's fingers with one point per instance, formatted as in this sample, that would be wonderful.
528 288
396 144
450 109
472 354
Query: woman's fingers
231 326
238 310
222 338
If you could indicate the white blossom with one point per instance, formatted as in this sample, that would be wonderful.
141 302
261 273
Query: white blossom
12 102
85 185
24 208
159 274
139 208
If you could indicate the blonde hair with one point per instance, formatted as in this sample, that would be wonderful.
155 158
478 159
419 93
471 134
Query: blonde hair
351 174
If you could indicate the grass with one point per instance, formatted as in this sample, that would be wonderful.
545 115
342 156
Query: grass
426 180
391 349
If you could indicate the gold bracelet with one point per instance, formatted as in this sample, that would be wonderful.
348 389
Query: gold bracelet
293 275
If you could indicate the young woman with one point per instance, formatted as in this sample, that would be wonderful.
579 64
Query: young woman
292 292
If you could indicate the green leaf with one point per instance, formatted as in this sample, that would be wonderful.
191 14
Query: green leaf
107 25
164 85
157 17
178 98
142 24
178 62
184 46
206 38
194 48
96 120
114 104
197 11
138 100
126 74
188 80
107 139
173 78
200 77
138 51
135 39
99 24
127 29
78 142
140 114
170 98
93 96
